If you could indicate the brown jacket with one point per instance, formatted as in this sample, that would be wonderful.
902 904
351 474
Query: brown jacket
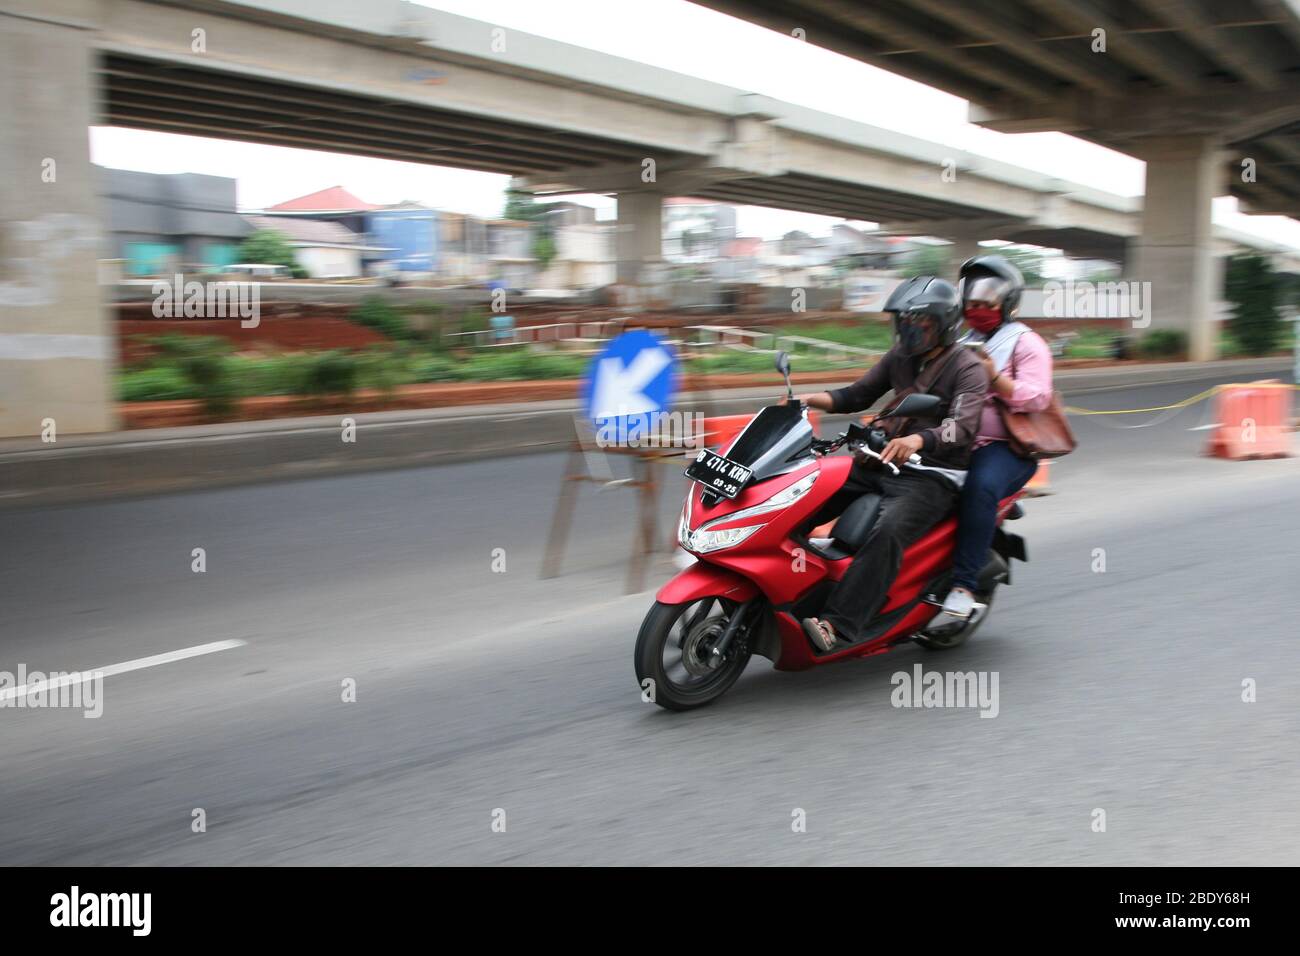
961 384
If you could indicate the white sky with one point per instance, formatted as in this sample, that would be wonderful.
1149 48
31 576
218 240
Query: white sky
674 35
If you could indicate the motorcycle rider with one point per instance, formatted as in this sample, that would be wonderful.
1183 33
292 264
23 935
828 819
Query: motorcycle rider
927 311
1019 366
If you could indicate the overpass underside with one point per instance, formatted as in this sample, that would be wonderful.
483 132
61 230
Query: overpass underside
161 95
1206 93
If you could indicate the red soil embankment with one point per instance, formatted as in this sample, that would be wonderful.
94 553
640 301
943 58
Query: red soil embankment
270 335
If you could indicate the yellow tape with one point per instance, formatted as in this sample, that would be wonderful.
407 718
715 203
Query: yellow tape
1134 411
1199 397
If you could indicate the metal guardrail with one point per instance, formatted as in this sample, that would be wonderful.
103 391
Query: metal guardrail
747 340
573 331
580 333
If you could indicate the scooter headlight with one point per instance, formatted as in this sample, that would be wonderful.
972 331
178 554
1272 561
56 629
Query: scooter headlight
787 496
702 542
705 539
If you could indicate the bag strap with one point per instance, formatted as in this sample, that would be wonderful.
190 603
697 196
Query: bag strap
921 386
931 371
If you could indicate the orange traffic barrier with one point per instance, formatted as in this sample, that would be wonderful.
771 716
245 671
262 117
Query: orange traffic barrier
1253 421
1041 483
720 430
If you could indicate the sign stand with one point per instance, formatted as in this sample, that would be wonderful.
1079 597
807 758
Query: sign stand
587 462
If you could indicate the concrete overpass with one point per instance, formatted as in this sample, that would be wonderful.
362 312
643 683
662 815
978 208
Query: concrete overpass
1208 94
398 81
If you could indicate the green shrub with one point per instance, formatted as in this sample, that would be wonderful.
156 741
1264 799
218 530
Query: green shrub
329 373
518 364
271 374
430 335
1163 343
434 369
157 384
204 360
475 319
375 313
1090 343
177 345
383 369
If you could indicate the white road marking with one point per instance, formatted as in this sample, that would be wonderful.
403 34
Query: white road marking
79 677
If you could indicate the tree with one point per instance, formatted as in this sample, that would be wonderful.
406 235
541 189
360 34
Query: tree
927 261
1029 263
543 247
1252 287
522 206
269 247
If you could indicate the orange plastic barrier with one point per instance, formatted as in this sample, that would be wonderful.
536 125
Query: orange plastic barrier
719 431
1041 483
1254 421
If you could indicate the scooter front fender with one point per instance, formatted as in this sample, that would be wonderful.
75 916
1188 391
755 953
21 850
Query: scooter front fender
702 580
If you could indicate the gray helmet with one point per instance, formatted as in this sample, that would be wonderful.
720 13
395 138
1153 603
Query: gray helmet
991 279
926 313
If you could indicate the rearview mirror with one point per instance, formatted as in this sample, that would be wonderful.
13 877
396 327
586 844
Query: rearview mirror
916 405
783 366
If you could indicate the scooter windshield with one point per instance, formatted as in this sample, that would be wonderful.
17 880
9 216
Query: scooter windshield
778 436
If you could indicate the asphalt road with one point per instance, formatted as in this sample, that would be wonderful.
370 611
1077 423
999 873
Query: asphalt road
480 691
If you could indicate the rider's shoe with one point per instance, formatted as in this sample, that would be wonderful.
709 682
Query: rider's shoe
959 603
820 633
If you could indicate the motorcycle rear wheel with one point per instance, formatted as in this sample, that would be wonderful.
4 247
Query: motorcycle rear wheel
674 653
939 642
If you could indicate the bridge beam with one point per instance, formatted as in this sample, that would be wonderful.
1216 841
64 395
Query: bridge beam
56 351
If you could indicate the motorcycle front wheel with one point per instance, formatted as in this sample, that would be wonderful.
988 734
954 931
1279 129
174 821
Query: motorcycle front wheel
675 664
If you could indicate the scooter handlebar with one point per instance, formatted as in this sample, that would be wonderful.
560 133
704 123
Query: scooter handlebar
828 446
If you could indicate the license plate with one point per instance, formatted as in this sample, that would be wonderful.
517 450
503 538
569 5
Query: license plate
719 474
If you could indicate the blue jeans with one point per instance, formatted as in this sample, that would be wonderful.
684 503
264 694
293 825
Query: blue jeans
995 472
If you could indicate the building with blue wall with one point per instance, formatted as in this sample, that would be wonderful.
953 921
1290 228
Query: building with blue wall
408 232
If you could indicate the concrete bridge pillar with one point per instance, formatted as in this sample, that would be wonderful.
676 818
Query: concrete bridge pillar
1175 252
960 249
640 236
56 345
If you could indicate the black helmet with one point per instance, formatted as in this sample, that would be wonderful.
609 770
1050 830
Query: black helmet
991 279
926 312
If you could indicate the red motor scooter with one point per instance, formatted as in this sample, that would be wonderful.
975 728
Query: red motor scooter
747 519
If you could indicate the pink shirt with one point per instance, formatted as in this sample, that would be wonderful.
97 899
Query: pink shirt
1031 388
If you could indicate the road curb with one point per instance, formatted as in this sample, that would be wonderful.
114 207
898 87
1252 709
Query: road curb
123 464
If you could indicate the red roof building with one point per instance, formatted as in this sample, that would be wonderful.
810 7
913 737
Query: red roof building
336 199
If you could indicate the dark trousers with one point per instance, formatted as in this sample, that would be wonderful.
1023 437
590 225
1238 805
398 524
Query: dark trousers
995 472
912 503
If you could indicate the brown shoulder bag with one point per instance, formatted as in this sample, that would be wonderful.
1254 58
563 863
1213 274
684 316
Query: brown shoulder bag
1042 434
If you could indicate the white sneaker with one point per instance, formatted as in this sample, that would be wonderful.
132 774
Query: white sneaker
959 603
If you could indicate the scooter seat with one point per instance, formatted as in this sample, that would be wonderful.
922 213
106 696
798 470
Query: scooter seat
854 525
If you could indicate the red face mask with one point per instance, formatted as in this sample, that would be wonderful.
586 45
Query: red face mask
983 320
